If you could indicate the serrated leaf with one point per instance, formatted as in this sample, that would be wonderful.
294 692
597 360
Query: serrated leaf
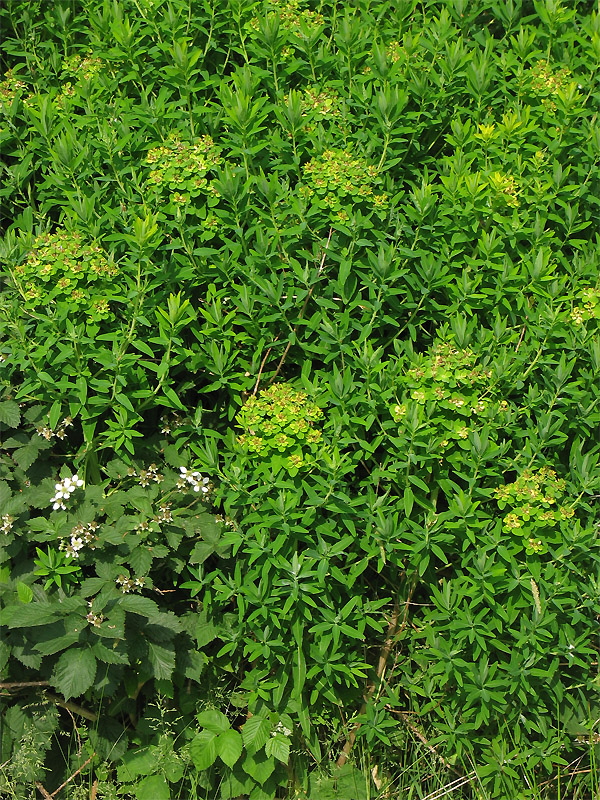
205 632
200 552
203 750
162 660
57 643
74 672
236 783
140 560
109 655
139 605
213 720
25 456
255 732
5 493
279 747
259 766
154 787
229 747
25 616
24 592
9 413
135 763
194 665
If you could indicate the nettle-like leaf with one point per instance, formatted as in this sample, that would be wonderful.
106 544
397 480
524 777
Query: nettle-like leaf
74 672
278 746
229 746
255 732
10 414
203 749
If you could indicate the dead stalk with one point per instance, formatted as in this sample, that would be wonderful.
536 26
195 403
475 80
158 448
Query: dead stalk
74 775
392 634
308 296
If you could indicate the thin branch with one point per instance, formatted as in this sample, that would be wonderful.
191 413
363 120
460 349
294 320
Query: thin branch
23 684
444 791
308 296
74 775
262 364
76 709
392 636
46 795
405 717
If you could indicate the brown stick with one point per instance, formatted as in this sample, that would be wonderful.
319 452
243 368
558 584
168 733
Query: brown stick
94 791
262 364
23 684
392 635
46 795
76 709
308 296
74 775
405 717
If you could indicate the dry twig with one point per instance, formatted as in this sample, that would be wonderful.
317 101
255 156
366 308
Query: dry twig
392 634
74 775
23 685
302 311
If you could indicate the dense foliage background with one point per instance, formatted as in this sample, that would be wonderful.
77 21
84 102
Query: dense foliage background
299 412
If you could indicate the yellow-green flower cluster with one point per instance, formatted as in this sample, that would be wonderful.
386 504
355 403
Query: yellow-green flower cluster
337 179
505 188
61 267
81 68
589 307
291 16
10 87
547 84
280 422
452 390
183 167
322 102
534 503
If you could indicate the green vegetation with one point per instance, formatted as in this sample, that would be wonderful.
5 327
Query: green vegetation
299 400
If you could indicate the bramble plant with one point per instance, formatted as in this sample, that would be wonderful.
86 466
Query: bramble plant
299 399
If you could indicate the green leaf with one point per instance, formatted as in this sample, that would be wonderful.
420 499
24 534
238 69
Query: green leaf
279 747
74 672
26 616
213 720
162 660
229 746
204 632
140 761
259 766
140 560
203 750
9 413
24 592
139 605
54 415
154 787
201 551
5 493
25 456
255 732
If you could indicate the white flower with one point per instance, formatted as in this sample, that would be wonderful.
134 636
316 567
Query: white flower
195 479
64 490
